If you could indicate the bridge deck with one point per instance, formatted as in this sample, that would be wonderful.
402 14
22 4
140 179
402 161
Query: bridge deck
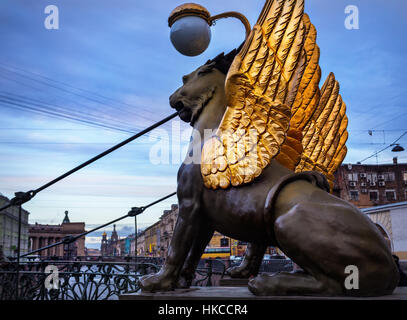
240 293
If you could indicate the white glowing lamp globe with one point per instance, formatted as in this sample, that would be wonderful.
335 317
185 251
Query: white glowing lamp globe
190 35
190 29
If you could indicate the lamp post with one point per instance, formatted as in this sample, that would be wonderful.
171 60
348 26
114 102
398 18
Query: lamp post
190 27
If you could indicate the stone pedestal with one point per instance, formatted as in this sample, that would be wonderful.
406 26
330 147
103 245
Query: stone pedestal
241 293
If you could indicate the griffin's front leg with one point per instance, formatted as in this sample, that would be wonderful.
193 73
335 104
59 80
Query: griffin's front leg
186 228
251 262
194 256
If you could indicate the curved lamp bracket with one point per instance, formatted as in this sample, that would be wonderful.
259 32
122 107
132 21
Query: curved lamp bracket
190 27
233 14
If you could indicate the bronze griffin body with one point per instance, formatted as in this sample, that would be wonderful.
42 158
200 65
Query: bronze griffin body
261 178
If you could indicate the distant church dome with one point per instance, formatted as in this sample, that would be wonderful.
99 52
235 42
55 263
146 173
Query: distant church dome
66 219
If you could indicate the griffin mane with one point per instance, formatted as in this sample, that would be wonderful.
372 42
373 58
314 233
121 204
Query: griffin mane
223 62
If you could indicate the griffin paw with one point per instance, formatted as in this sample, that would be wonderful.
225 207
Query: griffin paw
155 282
262 285
241 272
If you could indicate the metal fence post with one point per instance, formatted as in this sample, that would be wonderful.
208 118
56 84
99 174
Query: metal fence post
209 282
18 253
135 239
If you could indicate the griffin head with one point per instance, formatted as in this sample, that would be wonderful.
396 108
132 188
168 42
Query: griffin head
200 85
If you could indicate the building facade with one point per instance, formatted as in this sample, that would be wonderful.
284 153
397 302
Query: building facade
372 185
90 252
141 244
9 229
42 235
155 240
122 246
167 225
391 219
152 240
126 247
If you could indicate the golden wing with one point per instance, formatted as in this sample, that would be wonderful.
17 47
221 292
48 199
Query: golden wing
317 136
305 102
325 133
261 86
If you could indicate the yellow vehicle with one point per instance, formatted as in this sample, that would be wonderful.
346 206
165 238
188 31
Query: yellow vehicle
216 252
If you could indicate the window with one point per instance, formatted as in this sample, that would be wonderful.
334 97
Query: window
224 242
390 195
373 195
371 177
405 176
405 194
354 195
352 176
389 176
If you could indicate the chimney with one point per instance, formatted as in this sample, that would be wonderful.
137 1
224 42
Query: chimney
395 160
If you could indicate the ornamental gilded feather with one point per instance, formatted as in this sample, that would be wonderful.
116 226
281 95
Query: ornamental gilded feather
275 108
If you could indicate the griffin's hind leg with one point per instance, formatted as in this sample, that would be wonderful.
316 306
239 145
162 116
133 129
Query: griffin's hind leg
298 236
327 236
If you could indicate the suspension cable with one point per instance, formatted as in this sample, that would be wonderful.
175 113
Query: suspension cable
385 148
23 197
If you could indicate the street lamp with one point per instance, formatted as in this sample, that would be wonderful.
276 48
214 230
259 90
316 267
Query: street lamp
397 148
190 27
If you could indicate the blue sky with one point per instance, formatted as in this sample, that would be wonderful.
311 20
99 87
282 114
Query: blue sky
111 62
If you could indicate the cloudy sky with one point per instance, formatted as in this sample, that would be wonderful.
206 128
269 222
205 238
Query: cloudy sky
68 94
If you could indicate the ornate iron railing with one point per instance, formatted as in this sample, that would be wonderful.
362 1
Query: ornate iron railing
77 280
276 265
209 272
85 280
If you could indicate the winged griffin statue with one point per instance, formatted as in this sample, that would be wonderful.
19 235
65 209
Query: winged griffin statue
267 169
